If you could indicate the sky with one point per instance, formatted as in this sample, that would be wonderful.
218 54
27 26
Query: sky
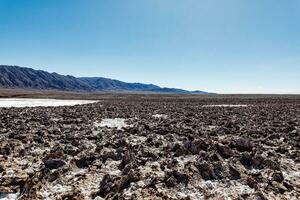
232 46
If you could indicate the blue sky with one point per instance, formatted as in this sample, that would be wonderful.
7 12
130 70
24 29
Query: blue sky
232 46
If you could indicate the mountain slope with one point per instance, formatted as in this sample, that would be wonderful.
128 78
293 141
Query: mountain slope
100 83
20 77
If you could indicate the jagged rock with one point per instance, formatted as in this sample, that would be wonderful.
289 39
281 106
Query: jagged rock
196 146
54 163
71 150
207 171
225 151
170 181
106 185
243 144
181 177
112 155
112 184
127 158
251 182
125 181
175 177
84 161
278 177
234 173
220 170
179 150
246 159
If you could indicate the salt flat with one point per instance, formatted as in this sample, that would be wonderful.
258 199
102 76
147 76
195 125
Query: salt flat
8 196
226 105
26 102
150 147
118 123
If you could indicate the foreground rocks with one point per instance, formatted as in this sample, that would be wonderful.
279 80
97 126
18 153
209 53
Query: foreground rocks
168 149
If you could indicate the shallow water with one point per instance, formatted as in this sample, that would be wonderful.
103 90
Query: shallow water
25 102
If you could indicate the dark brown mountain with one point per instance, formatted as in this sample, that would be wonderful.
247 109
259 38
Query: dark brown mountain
27 78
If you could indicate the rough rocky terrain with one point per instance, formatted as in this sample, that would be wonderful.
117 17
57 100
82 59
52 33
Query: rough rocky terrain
158 148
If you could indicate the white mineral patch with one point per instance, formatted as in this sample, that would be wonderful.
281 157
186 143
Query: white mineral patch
226 105
163 116
9 196
54 190
24 102
189 193
10 173
291 170
118 123
111 167
133 139
230 190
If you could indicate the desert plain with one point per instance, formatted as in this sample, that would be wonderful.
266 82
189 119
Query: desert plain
151 146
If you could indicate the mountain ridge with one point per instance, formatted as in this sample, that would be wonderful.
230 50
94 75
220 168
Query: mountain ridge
28 78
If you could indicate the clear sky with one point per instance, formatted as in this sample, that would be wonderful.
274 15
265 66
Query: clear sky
232 46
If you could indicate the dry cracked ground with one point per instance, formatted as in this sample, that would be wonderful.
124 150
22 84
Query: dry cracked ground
144 147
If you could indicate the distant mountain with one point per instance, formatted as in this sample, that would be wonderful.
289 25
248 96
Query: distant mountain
100 83
20 77
27 78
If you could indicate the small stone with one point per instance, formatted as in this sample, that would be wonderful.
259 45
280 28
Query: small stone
181 177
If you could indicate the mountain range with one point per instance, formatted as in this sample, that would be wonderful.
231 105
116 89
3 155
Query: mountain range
27 78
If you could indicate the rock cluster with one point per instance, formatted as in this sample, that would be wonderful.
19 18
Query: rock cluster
171 149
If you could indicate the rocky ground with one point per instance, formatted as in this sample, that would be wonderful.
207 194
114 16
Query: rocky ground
149 147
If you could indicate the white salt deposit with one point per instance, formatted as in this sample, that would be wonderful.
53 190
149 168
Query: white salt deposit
226 105
118 123
25 102
55 189
163 116
9 196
